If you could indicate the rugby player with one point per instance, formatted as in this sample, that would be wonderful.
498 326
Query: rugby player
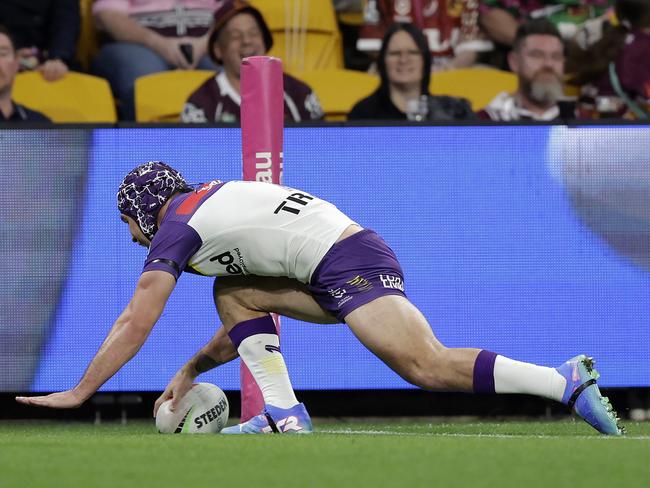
279 250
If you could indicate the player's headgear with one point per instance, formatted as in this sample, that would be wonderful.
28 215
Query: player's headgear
145 190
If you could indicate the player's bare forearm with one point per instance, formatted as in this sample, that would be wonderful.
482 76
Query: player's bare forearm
130 330
218 351
122 343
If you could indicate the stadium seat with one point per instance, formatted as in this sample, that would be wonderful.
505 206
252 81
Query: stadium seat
478 85
77 97
339 89
305 33
88 44
160 97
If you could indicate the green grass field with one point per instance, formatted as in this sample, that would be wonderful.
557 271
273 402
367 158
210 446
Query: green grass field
396 453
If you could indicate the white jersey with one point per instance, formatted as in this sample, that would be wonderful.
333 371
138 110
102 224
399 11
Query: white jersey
246 228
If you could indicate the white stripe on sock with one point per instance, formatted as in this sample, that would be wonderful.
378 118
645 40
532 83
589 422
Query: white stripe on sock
516 377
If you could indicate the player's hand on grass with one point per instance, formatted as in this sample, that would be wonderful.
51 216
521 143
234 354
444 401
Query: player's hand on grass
64 399
176 389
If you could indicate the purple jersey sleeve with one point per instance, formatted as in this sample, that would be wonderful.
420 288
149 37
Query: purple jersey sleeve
172 247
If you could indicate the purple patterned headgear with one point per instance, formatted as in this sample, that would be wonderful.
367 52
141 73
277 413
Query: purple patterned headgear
145 190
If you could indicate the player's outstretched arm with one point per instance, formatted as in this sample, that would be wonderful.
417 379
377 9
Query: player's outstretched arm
219 350
124 340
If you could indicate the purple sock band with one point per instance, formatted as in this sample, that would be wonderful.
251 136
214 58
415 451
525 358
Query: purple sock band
484 372
260 325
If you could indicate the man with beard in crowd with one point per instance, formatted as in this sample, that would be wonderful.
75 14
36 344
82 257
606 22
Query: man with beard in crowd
537 58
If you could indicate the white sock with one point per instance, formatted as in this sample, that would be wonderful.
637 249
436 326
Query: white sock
512 376
261 353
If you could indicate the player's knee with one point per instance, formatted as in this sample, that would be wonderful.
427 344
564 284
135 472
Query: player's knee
428 379
432 372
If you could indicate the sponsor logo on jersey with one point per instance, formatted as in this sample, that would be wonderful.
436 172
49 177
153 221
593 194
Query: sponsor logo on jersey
228 260
360 283
392 281
240 258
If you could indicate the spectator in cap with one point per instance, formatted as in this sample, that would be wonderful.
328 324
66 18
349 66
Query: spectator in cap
10 111
149 36
239 31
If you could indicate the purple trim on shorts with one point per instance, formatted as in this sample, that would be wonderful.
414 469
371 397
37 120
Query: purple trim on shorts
247 328
484 372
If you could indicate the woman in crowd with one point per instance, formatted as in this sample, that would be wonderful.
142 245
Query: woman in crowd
404 65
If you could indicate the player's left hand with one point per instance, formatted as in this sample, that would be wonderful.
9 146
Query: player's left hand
64 399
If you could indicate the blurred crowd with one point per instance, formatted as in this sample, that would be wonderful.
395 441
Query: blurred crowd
571 59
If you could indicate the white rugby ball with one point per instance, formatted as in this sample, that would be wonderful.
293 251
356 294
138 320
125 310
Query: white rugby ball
203 410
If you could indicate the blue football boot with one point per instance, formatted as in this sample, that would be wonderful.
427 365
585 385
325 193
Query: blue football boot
583 396
274 420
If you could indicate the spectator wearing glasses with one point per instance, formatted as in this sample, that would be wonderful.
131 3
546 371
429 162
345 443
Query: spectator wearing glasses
405 68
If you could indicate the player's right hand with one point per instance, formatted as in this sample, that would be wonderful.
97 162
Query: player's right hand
176 389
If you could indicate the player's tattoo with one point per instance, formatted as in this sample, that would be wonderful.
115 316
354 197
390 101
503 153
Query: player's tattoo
205 363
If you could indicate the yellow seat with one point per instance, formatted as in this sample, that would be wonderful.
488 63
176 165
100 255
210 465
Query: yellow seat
305 33
76 97
478 85
160 97
339 89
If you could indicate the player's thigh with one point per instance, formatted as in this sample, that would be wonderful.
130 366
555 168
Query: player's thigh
240 297
397 332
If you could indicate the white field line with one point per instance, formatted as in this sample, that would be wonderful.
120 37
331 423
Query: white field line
489 436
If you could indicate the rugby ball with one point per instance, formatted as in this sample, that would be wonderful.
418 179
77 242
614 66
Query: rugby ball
203 410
